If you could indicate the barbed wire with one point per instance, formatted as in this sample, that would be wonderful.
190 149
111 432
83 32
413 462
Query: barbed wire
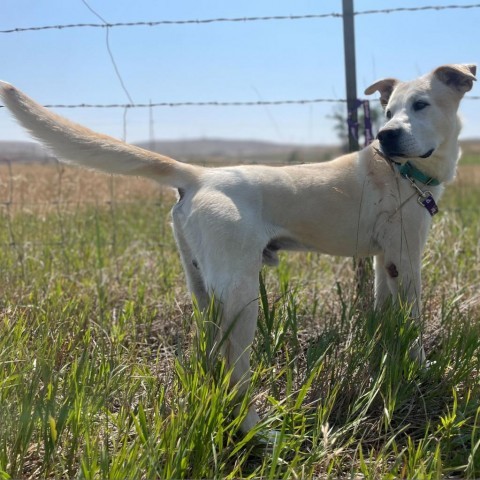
203 104
212 103
313 16
157 23
199 104
418 9
126 106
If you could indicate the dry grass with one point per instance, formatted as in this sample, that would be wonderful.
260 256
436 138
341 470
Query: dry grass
468 176
43 187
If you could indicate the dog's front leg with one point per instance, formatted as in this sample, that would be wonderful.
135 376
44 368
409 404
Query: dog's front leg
382 290
399 275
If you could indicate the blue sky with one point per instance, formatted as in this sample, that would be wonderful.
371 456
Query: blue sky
246 61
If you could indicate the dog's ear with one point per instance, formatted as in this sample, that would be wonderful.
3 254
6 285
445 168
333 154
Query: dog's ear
385 87
458 77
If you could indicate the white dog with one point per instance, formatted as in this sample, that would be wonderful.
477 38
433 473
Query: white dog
229 221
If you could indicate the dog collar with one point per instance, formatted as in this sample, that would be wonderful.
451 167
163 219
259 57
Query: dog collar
409 170
425 198
412 173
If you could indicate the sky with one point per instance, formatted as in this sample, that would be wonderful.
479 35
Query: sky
241 61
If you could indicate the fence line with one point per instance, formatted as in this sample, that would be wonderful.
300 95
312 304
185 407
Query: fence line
213 103
312 16
216 103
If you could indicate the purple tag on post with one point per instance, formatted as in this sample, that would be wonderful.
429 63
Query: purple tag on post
429 203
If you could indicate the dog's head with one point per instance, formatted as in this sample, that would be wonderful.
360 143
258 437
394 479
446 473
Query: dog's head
421 115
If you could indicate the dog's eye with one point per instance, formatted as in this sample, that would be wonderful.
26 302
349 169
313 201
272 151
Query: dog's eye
388 114
420 105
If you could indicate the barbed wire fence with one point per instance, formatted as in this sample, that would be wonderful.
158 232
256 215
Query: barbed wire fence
239 19
11 202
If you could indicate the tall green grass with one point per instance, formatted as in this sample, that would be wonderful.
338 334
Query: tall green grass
106 371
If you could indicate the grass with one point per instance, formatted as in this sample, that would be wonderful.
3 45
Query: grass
470 158
106 371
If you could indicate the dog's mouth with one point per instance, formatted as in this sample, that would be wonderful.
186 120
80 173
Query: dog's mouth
428 154
392 154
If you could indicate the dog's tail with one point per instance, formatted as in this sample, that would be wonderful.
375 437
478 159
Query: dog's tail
76 144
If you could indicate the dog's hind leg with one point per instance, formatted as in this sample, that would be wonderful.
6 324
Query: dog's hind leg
234 284
195 281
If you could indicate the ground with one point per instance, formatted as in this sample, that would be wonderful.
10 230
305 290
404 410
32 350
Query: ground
106 371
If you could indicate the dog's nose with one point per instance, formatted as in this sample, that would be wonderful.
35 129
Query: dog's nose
389 136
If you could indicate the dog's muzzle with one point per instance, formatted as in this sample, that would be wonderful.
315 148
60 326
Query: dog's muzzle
389 139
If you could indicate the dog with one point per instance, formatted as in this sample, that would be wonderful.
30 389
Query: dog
229 221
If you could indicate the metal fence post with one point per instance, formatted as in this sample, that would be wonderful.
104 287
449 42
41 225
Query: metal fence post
363 266
350 71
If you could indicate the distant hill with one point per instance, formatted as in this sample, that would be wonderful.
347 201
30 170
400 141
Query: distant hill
24 152
240 151
471 146
221 151
212 151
